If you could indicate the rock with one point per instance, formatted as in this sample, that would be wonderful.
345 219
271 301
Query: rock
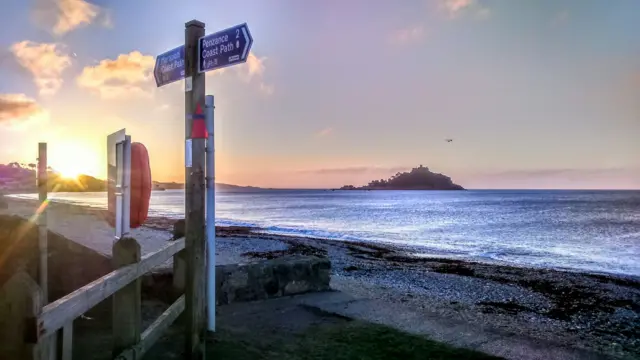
351 268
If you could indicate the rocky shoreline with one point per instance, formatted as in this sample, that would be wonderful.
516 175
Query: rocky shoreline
590 311
596 312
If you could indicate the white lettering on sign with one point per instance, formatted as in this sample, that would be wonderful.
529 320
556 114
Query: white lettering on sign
209 53
226 47
215 41
170 63
210 63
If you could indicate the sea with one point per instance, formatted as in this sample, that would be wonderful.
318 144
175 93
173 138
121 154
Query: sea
593 231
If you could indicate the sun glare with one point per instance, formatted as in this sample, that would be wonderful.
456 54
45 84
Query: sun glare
71 160
69 173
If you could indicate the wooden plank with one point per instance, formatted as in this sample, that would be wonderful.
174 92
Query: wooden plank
66 342
179 272
42 222
154 331
127 306
65 309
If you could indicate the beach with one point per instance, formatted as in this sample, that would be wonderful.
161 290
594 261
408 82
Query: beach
578 309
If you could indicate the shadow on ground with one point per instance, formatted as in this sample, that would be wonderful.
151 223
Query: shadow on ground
272 329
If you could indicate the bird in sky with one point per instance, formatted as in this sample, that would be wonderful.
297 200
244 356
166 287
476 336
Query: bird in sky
448 140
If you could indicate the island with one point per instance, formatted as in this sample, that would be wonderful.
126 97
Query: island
420 178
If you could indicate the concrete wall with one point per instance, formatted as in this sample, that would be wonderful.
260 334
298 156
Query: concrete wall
71 265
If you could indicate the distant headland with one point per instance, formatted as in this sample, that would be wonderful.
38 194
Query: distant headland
420 178
16 177
21 178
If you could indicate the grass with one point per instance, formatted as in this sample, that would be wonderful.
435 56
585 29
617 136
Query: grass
345 341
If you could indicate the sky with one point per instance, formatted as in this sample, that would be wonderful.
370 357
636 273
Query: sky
534 94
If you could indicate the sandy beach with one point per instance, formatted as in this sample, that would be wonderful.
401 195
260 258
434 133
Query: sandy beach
582 310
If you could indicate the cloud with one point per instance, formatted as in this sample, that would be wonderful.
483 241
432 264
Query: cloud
325 132
408 35
267 89
107 19
17 107
456 7
129 75
255 68
255 65
45 61
62 16
356 170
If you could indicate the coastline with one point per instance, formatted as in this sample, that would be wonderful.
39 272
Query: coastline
578 309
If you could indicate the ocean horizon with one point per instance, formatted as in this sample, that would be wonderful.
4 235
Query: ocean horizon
580 230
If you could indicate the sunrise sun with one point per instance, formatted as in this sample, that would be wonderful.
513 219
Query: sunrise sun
71 160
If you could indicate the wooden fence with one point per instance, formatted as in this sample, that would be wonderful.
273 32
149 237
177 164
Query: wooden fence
43 324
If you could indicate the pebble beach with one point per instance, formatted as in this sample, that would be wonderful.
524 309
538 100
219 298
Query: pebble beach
591 311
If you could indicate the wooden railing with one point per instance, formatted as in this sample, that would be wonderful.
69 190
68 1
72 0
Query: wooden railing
124 285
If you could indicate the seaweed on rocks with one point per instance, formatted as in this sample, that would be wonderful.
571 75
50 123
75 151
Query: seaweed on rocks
457 269
510 307
293 249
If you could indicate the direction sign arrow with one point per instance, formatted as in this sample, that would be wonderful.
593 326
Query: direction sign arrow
224 48
169 66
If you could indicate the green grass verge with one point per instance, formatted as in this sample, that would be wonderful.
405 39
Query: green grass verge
353 340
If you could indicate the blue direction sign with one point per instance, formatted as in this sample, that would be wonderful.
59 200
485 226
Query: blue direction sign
224 48
169 66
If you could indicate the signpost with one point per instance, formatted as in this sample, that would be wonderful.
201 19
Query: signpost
190 61
169 66
224 48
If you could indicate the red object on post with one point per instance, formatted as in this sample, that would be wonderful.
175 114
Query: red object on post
140 188
198 127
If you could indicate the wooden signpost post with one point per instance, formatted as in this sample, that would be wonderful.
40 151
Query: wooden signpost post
200 54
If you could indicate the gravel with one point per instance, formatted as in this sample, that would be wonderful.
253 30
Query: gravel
595 312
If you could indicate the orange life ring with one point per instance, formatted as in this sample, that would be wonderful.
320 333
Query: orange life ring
140 188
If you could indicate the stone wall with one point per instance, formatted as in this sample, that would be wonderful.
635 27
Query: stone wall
265 279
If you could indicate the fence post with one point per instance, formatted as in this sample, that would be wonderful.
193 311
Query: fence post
42 221
21 300
127 320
